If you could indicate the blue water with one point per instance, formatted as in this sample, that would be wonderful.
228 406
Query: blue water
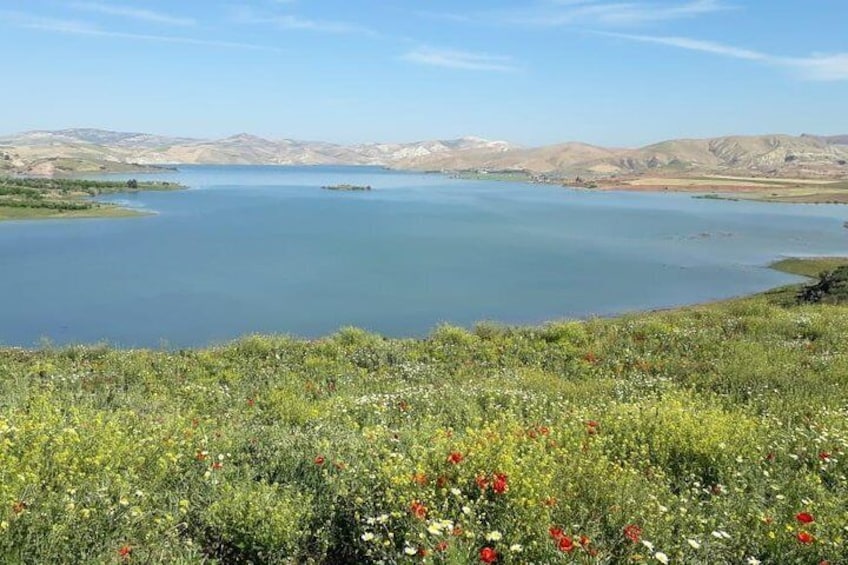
264 249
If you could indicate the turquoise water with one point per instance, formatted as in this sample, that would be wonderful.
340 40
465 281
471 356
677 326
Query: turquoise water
264 249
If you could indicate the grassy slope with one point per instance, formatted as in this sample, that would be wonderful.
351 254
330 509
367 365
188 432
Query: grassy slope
809 266
710 428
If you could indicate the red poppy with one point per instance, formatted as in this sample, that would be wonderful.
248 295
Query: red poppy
124 552
455 458
499 484
488 555
251 402
805 538
804 517
482 482
533 434
550 501
422 552
419 479
200 456
319 460
584 540
457 531
824 456
555 532
217 466
633 533
442 546
565 544
442 482
770 457
544 430
418 510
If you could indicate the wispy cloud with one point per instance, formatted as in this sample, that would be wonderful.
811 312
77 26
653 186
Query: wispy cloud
325 26
693 45
133 13
76 27
824 67
245 15
453 59
448 16
593 13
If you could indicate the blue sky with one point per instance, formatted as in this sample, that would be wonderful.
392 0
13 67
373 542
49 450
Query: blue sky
610 72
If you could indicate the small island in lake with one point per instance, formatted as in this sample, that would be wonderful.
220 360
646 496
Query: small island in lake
348 187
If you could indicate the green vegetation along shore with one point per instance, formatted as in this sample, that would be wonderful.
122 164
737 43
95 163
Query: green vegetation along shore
46 198
348 187
708 434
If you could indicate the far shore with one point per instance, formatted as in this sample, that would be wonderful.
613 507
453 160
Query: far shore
715 186
793 191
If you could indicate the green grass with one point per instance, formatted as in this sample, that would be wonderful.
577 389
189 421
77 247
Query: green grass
516 176
705 432
51 198
102 211
809 266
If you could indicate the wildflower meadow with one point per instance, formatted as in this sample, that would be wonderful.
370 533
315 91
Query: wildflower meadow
712 434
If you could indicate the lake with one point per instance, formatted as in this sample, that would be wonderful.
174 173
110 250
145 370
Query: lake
265 250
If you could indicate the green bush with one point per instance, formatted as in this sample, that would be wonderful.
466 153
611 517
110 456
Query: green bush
253 522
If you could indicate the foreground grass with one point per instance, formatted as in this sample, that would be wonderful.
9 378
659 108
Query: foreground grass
714 434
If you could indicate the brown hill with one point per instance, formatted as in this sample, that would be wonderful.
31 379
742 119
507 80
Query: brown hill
763 155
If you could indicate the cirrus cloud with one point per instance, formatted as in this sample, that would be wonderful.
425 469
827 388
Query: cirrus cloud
454 59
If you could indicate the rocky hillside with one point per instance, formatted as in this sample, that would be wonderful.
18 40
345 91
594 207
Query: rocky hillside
761 155
88 149
765 155
831 139
72 150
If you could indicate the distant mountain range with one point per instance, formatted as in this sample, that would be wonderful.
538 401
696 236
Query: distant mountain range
832 139
91 150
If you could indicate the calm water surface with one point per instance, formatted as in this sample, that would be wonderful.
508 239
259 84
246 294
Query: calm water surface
263 249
